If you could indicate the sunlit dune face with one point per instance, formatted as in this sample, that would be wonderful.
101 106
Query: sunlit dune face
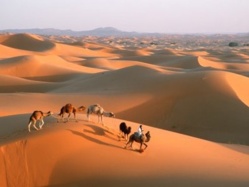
238 84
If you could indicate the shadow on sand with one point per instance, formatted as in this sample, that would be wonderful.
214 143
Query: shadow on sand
92 139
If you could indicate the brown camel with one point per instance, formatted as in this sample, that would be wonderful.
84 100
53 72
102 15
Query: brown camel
141 140
69 108
38 116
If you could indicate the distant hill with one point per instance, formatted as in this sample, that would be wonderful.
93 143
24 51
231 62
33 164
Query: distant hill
102 31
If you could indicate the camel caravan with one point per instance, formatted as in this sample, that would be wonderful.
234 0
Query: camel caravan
68 109
96 109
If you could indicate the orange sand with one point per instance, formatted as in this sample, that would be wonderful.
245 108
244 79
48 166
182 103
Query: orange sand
193 102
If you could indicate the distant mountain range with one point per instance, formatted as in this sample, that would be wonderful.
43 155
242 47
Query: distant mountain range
103 31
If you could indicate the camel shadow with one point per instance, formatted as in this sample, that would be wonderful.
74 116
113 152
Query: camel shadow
96 130
100 131
85 136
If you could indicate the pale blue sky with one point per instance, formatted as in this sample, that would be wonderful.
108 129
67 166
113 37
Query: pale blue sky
167 16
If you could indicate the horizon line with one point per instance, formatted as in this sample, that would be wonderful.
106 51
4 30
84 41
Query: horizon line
118 30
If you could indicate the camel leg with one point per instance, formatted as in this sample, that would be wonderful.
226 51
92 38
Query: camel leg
62 118
30 123
87 115
101 119
145 146
126 144
121 135
35 126
41 124
68 116
129 142
131 145
74 114
142 145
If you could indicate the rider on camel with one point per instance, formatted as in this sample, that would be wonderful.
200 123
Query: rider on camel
140 131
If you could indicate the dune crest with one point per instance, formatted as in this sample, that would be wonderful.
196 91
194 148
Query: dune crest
28 42
232 66
239 85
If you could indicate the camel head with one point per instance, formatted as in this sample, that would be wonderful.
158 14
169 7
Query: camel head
49 113
81 108
109 114
148 136
112 114
129 130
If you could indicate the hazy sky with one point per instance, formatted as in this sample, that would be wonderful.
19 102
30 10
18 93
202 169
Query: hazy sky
167 16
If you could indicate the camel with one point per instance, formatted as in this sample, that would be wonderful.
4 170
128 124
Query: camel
141 140
38 116
69 108
98 110
125 131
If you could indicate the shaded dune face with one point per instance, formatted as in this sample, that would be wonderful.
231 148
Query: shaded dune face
28 42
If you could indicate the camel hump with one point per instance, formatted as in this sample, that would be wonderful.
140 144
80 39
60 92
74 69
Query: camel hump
136 135
68 105
36 112
122 126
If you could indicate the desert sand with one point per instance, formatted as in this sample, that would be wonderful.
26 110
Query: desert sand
192 98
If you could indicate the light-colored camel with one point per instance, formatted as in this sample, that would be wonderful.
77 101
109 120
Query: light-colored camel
38 116
69 108
99 111
141 140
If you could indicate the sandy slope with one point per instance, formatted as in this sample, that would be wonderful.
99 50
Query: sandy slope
28 42
172 92
89 154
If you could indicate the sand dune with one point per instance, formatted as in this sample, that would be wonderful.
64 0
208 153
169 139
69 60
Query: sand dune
194 103
27 42
237 83
8 52
39 67
11 84
71 158
81 51
229 66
